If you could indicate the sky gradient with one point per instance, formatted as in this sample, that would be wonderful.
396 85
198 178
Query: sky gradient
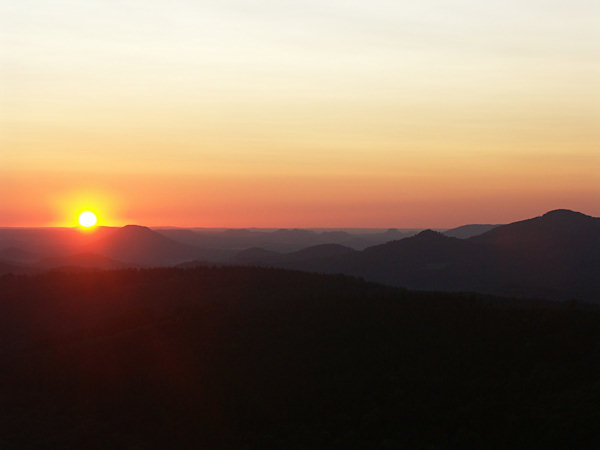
298 113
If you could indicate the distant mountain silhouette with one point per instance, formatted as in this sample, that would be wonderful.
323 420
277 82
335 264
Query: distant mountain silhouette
428 260
282 240
555 228
183 236
82 260
320 251
310 255
6 268
257 255
467 231
554 256
237 239
37 247
36 243
140 245
17 255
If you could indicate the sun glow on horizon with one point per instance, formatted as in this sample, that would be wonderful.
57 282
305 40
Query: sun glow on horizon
87 219
247 113
70 203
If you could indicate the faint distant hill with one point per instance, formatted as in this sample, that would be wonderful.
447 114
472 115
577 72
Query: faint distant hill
163 247
553 256
140 245
235 240
467 231
310 255
282 240
82 260
30 244
6 268
17 255
257 255
320 251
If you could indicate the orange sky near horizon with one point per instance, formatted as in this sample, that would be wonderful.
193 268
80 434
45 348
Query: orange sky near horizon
246 113
301 201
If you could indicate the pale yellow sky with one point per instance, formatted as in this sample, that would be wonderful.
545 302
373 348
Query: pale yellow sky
298 113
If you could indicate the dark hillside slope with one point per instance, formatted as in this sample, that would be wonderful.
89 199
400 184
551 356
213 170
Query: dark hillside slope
559 252
427 261
557 233
264 358
467 231
555 256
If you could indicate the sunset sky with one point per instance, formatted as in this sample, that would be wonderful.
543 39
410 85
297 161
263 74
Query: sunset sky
234 113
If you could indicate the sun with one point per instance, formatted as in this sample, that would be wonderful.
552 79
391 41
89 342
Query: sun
87 219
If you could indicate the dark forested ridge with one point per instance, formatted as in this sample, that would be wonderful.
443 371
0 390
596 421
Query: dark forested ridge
266 358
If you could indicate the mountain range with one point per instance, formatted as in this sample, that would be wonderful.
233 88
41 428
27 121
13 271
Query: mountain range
555 256
281 240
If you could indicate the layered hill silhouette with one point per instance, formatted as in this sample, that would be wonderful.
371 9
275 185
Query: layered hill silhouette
82 261
163 247
17 255
6 268
140 245
554 256
305 256
281 240
104 248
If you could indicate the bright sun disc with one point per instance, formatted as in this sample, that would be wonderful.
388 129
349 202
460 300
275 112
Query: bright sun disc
87 219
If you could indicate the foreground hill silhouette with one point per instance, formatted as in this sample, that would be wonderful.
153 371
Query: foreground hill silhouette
266 358
555 256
